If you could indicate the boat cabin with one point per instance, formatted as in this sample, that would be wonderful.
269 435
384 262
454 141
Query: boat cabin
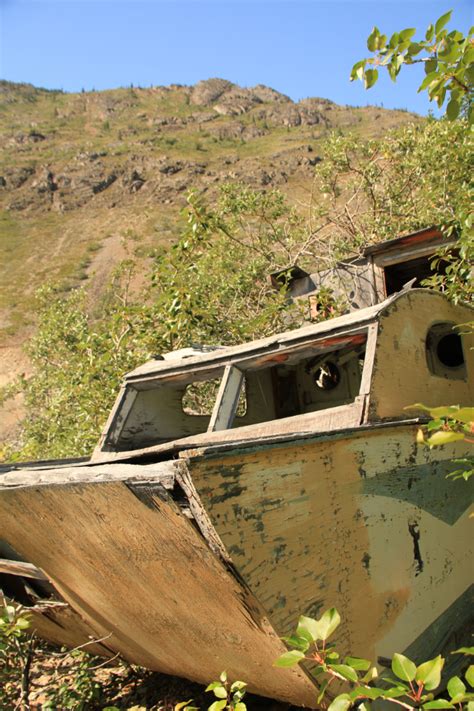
381 270
359 368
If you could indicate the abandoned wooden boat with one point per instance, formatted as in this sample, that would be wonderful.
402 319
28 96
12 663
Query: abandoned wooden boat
194 537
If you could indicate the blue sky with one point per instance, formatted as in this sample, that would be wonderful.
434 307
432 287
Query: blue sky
299 47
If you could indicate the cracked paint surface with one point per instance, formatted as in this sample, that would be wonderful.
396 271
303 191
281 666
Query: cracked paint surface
360 523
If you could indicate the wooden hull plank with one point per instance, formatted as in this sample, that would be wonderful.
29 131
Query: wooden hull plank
146 575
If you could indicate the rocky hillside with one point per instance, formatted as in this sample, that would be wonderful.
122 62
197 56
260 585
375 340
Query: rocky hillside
87 179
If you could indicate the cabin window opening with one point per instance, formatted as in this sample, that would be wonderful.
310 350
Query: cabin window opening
26 590
199 398
315 376
329 379
444 352
397 275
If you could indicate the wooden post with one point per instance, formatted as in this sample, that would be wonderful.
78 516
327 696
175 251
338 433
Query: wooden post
227 399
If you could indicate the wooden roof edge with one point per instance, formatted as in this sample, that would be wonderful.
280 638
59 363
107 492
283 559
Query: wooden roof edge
349 321
427 234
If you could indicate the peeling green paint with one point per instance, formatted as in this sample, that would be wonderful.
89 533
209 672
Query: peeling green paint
425 486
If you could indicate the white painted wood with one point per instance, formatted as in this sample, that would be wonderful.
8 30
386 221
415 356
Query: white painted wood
227 399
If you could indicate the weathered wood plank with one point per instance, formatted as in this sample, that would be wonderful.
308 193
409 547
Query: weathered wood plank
146 575
227 399
25 570
162 472
58 623
332 419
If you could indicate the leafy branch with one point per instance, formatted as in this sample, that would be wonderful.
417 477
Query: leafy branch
448 424
448 59
412 687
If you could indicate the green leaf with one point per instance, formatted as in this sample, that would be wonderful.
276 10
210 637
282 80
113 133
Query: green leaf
435 424
340 703
470 675
442 21
301 643
456 687
394 40
430 673
372 39
464 414
438 93
438 704
308 629
371 76
328 623
218 705
22 623
407 34
289 659
403 667
177 707
452 110
357 663
237 686
429 79
240 706
371 675
440 438
344 670
322 690
430 66
357 71
223 676
414 49
368 691
394 692
213 685
429 33
220 692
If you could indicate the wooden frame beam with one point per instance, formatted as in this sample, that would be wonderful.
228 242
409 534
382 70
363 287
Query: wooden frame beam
227 399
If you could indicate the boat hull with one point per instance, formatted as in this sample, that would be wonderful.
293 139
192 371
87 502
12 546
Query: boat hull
363 520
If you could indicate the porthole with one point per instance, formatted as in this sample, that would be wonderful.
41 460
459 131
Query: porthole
449 350
444 351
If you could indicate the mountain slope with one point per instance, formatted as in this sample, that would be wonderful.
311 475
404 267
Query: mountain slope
87 179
